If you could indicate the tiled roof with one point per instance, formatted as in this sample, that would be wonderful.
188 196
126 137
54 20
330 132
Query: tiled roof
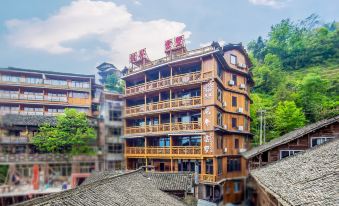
171 181
163 181
307 178
127 189
26 120
96 176
290 136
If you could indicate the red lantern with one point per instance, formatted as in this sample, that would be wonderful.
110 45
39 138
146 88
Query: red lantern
168 45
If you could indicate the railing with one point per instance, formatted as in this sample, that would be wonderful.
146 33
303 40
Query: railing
46 82
168 151
186 150
165 82
178 126
174 103
207 177
8 158
31 97
15 139
168 59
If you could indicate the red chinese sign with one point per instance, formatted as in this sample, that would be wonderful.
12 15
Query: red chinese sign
138 56
175 43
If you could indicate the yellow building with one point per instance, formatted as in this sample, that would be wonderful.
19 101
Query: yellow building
191 110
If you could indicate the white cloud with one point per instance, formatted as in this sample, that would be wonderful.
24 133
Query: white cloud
221 42
108 23
271 3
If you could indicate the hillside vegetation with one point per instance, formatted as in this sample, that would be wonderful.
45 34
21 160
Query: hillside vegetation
296 73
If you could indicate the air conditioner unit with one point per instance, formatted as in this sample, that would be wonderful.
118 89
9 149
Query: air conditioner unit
241 128
240 110
225 126
231 83
242 86
224 104
225 150
243 150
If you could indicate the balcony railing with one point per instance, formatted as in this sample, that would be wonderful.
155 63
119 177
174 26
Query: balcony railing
168 104
168 127
12 158
188 78
45 83
167 151
168 59
210 177
14 139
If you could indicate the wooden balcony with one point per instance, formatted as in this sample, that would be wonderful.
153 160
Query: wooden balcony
45 83
168 59
188 78
162 128
182 103
210 177
15 139
180 151
31 158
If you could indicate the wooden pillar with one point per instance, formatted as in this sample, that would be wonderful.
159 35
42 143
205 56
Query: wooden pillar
203 166
171 163
215 166
145 147
171 81
171 144
170 97
170 121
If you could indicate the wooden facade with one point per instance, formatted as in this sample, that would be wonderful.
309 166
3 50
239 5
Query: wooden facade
192 110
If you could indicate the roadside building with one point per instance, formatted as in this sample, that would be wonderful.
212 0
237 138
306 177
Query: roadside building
111 143
189 112
29 98
293 143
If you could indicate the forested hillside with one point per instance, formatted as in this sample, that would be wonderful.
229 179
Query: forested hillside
296 73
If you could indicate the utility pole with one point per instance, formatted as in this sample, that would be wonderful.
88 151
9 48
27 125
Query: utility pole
262 127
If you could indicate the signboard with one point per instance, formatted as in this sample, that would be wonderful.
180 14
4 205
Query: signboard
139 56
175 43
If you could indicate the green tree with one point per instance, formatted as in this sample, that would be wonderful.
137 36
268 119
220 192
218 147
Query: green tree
312 95
288 117
3 173
72 134
114 83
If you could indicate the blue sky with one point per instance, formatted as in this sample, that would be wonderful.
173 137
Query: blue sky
76 36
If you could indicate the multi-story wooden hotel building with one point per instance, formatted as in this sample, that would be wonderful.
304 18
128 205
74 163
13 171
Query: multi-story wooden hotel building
189 112
29 98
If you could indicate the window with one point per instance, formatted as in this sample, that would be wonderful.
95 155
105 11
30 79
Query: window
220 141
236 143
236 186
233 164
81 95
246 104
234 122
233 59
115 115
219 166
115 148
33 80
219 118
219 94
234 101
78 84
287 153
115 131
209 166
115 165
246 123
234 78
319 140
8 78
219 71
